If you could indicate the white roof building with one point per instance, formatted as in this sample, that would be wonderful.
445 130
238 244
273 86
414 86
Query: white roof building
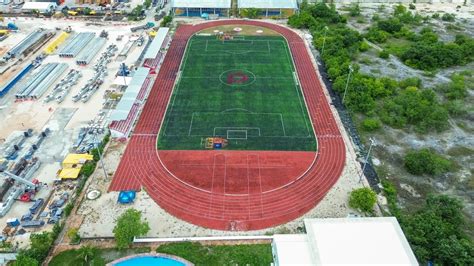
42 7
268 4
201 3
345 241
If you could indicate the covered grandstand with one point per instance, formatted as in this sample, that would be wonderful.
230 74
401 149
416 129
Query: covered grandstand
198 8
127 109
270 8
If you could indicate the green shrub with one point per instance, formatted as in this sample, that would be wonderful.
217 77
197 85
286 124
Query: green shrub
166 21
68 209
435 16
384 54
448 17
364 46
425 161
354 10
363 199
411 6
74 235
370 124
88 168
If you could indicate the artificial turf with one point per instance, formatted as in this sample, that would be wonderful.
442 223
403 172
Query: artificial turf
244 90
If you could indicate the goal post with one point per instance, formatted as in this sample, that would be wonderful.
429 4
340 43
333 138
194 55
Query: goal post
236 134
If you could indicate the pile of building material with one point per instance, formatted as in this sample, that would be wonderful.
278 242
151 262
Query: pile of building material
41 81
128 47
90 136
100 72
29 43
76 44
55 44
91 50
63 87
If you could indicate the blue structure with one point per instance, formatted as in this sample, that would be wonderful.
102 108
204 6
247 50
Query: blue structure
126 197
11 83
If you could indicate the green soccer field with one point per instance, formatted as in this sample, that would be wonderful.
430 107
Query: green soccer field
244 90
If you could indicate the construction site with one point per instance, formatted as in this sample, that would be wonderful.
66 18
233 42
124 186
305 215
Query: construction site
63 83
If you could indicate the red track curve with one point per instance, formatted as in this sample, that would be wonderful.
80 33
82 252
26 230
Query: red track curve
141 166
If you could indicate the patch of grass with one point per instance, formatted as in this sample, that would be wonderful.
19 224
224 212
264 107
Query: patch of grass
72 257
365 61
460 151
259 254
397 46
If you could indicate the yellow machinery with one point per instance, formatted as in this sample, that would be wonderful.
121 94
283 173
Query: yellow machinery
152 33
54 44
72 13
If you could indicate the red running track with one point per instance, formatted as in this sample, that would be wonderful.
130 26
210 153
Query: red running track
223 204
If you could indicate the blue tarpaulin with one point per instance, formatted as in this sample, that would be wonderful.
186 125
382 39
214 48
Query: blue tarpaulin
126 197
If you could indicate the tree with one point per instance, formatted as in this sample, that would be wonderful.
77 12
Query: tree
129 225
250 12
166 21
23 260
40 245
87 11
147 4
426 161
87 253
363 199
435 232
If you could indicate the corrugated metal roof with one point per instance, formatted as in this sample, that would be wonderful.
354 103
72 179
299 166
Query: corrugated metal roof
268 4
202 3
156 44
130 95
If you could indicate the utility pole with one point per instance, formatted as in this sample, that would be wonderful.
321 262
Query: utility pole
100 155
372 141
324 39
347 83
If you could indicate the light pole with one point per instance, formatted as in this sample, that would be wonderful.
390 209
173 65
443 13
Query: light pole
100 155
324 39
347 82
372 141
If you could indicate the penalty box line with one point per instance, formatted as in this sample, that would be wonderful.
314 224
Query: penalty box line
224 113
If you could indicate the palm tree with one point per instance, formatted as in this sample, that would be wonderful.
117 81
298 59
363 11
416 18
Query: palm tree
87 253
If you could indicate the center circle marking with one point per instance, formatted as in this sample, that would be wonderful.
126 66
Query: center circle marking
237 77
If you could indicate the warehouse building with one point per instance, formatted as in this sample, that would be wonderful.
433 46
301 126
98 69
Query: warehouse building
271 8
201 8
41 7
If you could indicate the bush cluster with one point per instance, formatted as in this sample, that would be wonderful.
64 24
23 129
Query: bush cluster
426 161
